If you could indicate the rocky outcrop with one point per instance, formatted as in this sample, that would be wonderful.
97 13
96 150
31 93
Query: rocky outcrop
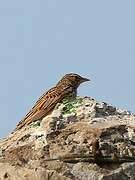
82 139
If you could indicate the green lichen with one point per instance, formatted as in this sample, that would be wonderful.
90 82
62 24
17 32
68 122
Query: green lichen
1 152
68 108
53 124
70 105
36 124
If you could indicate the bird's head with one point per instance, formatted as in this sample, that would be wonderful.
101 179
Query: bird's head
73 79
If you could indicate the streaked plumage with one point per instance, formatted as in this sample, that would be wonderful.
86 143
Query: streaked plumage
66 87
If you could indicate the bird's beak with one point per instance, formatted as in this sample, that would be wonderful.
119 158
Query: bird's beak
85 79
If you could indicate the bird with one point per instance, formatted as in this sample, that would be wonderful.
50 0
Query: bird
65 88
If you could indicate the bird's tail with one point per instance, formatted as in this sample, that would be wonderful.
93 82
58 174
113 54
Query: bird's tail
23 123
32 118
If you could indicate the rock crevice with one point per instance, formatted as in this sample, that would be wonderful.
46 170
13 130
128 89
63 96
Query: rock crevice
82 139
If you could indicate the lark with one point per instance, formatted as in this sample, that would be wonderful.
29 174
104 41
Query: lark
65 88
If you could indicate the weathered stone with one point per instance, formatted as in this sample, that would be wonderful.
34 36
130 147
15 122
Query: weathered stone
49 149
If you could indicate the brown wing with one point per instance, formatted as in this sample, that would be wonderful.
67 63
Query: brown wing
45 104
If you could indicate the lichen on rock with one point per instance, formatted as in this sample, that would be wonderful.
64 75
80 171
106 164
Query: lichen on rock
60 146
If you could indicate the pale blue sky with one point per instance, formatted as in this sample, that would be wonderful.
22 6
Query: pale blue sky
42 40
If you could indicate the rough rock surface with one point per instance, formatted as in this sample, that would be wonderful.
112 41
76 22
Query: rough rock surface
82 139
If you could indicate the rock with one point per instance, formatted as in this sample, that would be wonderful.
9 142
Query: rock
82 139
